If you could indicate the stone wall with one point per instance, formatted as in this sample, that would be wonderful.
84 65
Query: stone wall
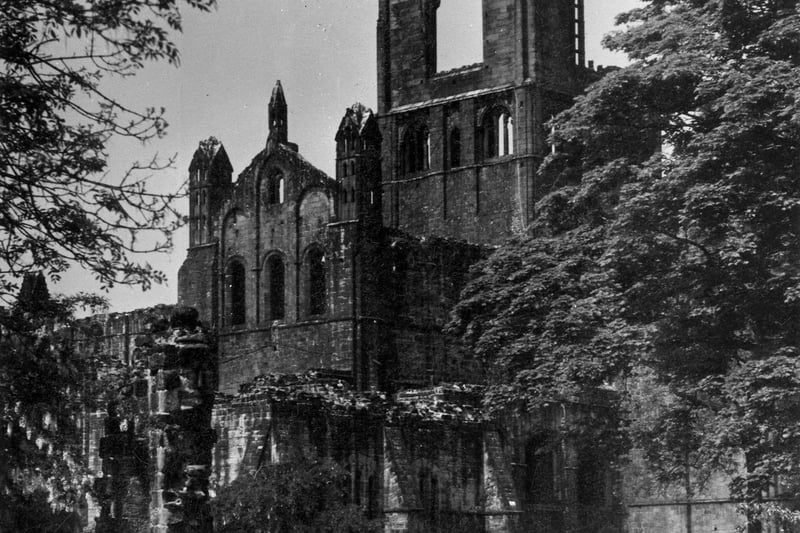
521 40
156 452
113 334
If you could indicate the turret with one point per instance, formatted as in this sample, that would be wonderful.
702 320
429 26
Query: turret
277 115
358 173
210 175
278 118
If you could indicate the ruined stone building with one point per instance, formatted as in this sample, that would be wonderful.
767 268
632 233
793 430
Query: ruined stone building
351 278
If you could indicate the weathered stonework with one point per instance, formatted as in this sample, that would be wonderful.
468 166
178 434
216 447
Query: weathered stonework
155 470
327 297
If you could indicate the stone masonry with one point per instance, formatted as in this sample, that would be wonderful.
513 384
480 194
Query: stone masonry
327 297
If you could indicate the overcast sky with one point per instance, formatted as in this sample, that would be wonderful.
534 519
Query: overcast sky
323 51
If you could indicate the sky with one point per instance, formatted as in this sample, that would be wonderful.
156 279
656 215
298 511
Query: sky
324 53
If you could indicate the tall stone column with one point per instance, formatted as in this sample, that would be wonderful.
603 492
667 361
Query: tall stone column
183 381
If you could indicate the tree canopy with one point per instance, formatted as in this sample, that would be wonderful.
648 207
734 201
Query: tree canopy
670 241
58 207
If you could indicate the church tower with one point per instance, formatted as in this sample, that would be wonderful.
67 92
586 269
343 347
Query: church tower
461 146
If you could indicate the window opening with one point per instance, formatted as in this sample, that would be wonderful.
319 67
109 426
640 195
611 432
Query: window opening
275 191
502 134
237 293
455 148
416 151
316 282
490 137
510 136
498 134
459 34
277 288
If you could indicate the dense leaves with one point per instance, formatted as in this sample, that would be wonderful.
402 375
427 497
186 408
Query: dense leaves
41 386
303 496
677 247
57 207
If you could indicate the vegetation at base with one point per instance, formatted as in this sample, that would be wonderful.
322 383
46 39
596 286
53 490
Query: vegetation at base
304 496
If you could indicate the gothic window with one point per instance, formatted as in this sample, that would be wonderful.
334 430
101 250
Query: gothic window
276 299
275 189
498 133
316 282
507 123
455 148
415 150
236 293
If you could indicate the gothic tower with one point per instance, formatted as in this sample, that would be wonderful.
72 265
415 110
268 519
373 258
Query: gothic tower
461 147
277 115
278 120
358 152
210 175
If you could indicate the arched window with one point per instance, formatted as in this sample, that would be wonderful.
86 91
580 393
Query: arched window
455 148
316 282
276 298
275 189
416 150
236 293
510 136
498 133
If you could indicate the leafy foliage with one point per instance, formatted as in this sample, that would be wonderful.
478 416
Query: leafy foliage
676 206
56 206
41 385
307 496
32 513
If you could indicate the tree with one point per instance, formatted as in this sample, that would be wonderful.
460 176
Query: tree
40 395
56 206
301 496
682 172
